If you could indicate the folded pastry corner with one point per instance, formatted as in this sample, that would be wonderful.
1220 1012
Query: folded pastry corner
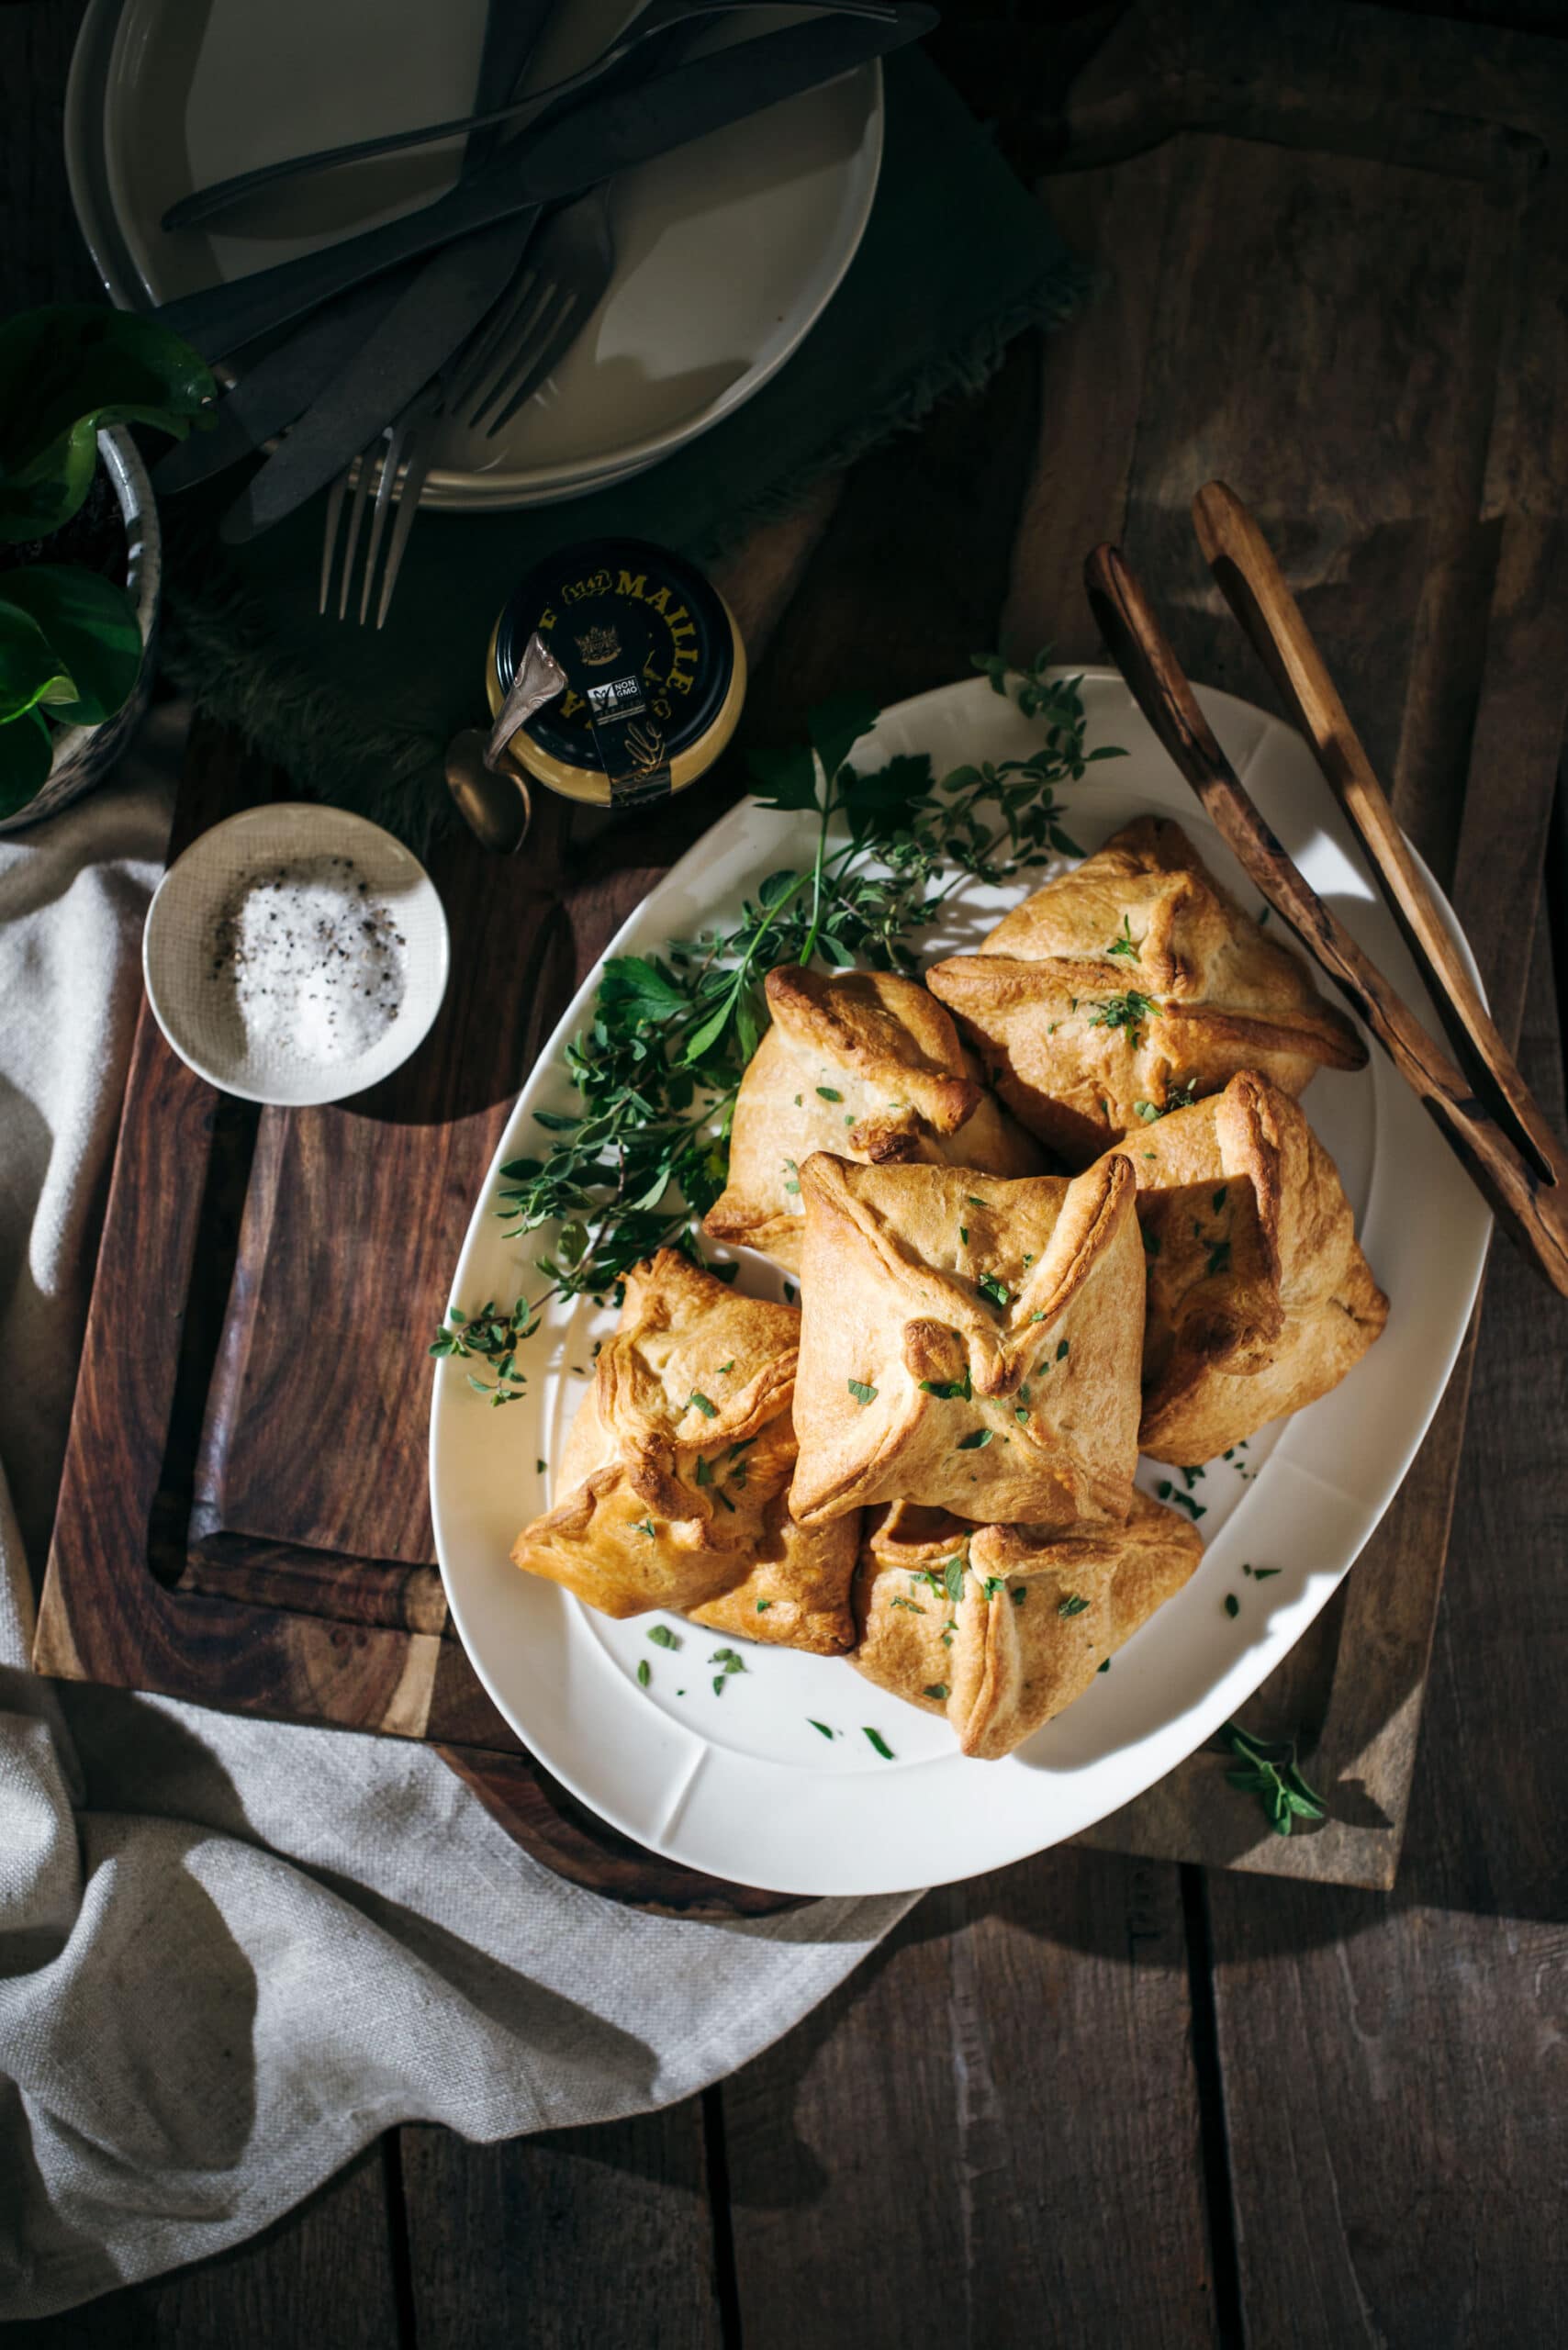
863 1064
1260 1299
676 1470
1133 983
968 1342
1001 1627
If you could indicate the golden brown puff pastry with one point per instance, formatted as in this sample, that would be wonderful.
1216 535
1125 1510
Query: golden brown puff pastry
1260 1299
675 1472
1132 980
968 1342
863 1064
1034 1618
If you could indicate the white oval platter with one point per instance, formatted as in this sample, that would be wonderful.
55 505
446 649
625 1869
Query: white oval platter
742 1783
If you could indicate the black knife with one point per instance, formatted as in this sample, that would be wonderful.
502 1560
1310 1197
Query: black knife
605 135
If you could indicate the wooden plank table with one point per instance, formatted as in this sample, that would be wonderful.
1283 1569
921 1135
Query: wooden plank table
1099 2098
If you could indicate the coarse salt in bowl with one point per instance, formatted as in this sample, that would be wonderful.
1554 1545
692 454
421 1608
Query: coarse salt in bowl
296 955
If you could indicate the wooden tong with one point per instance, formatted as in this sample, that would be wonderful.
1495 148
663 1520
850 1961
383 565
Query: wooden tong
1491 1121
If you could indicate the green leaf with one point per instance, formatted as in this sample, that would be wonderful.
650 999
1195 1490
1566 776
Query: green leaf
632 979
861 1391
881 1744
937 1689
819 1726
975 1440
836 725
784 779
66 370
27 750
702 1039
1072 1605
31 669
953 1579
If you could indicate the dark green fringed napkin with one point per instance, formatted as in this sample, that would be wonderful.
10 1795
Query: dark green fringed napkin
956 259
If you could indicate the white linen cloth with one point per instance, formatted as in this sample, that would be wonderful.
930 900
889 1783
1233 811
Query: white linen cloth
232 1952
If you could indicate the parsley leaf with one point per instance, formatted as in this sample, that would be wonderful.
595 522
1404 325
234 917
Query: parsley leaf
861 1391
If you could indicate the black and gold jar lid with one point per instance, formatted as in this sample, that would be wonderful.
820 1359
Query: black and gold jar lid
654 666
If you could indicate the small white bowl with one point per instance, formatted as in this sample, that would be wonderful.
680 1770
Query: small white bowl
197 1013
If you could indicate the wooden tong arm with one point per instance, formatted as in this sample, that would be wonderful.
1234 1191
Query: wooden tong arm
1534 1214
1254 586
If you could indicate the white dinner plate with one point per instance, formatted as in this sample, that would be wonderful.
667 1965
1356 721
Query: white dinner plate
742 1783
729 249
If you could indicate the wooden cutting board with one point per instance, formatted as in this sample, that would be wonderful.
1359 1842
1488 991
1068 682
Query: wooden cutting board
243 1520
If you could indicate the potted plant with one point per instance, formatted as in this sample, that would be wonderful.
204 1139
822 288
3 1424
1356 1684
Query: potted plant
79 545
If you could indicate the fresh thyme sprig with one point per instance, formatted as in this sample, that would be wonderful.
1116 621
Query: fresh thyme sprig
657 1069
1270 1772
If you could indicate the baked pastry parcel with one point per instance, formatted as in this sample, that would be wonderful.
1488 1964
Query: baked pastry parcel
1130 983
676 1470
1000 1626
1260 1299
868 1065
968 1342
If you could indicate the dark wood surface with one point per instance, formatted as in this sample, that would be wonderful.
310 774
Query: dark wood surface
1101 2097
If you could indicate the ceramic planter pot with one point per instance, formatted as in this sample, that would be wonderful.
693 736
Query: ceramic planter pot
83 754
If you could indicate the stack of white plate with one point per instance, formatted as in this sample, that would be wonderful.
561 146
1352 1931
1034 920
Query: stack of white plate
729 250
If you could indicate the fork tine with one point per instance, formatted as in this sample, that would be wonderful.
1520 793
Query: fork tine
396 449
561 335
417 467
356 516
474 360
329 535
526 327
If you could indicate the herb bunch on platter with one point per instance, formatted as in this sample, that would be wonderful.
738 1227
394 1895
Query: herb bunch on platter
659 1065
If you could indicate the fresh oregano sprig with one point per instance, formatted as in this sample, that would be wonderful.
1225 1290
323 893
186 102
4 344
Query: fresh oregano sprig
657 1069
1270 1772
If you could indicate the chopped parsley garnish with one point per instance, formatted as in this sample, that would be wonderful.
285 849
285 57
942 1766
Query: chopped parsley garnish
964 1235
1262 1575
1020 1593
1219 1260
953 1579
861 1391
646 1526
914 1606
992 1584
794 1183
541 1466
730 1659
1232 1605
644 1673
973 1199
974 1440
663 1638
704 1470
880 1743
1124 945
828 1094
1166 1493
1072 1605
819 1726
1218 1200
1061 1352
937 1689
949 1391
1129 1012
1106 1667
763 1606
997 1290
709 1411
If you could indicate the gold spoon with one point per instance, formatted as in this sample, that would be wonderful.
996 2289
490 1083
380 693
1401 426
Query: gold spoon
496 807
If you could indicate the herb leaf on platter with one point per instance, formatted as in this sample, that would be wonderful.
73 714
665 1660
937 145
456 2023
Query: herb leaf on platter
642 1158
1268 1770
